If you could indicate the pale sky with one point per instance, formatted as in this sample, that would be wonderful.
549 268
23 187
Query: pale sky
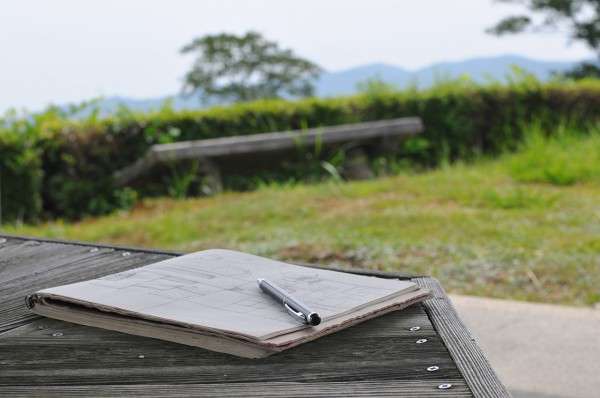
67 51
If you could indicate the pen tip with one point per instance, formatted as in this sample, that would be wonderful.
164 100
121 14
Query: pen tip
259 280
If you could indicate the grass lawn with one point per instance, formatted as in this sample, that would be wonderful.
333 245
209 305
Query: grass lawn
525 226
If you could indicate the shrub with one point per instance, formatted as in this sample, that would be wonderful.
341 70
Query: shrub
20 174
78 158
560 156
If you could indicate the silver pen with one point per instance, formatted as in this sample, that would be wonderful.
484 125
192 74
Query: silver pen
294 307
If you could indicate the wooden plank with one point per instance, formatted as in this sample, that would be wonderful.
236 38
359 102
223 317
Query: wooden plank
382 350
473 365
14 239
267 389
287 140
28 265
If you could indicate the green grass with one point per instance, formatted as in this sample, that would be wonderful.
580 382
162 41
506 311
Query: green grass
564 157
487 228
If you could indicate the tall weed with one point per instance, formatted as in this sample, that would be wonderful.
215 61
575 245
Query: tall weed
564 156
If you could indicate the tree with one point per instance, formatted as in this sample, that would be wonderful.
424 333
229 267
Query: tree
580 17
232 68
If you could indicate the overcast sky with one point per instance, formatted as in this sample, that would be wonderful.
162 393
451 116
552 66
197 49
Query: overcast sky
65 51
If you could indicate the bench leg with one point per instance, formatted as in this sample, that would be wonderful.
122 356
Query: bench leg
385 145
210 175
356 164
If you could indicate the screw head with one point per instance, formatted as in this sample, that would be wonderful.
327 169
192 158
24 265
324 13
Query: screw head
125 254
415 328
2 240
444 386
58 334
433 368
93 250
421 341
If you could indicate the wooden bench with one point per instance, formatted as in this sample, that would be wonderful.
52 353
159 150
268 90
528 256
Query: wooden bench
237 153
423 350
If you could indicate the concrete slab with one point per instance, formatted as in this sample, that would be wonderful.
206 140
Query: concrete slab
537 350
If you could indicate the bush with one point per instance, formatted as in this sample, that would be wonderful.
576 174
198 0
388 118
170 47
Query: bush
78 158
20 174
560 157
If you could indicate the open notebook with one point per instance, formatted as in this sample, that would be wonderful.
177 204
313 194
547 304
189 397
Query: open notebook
211 299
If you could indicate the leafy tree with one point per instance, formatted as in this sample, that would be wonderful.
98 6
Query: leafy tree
580 17
245 68
582 71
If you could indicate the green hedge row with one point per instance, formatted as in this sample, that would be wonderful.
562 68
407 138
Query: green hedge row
54 167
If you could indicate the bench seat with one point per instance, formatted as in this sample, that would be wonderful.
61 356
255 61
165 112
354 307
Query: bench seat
239 152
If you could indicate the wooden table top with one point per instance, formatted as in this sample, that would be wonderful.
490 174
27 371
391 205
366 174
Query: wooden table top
380 357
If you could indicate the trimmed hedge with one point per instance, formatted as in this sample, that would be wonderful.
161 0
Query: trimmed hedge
55 167
20 177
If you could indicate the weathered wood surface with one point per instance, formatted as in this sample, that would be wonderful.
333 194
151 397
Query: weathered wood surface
40 356
468 356
385 135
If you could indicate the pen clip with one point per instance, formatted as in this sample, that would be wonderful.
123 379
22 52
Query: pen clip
296 315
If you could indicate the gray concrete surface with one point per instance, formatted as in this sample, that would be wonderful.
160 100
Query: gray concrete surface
537 350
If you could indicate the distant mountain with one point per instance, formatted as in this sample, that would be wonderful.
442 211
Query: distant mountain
479 69
344 82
